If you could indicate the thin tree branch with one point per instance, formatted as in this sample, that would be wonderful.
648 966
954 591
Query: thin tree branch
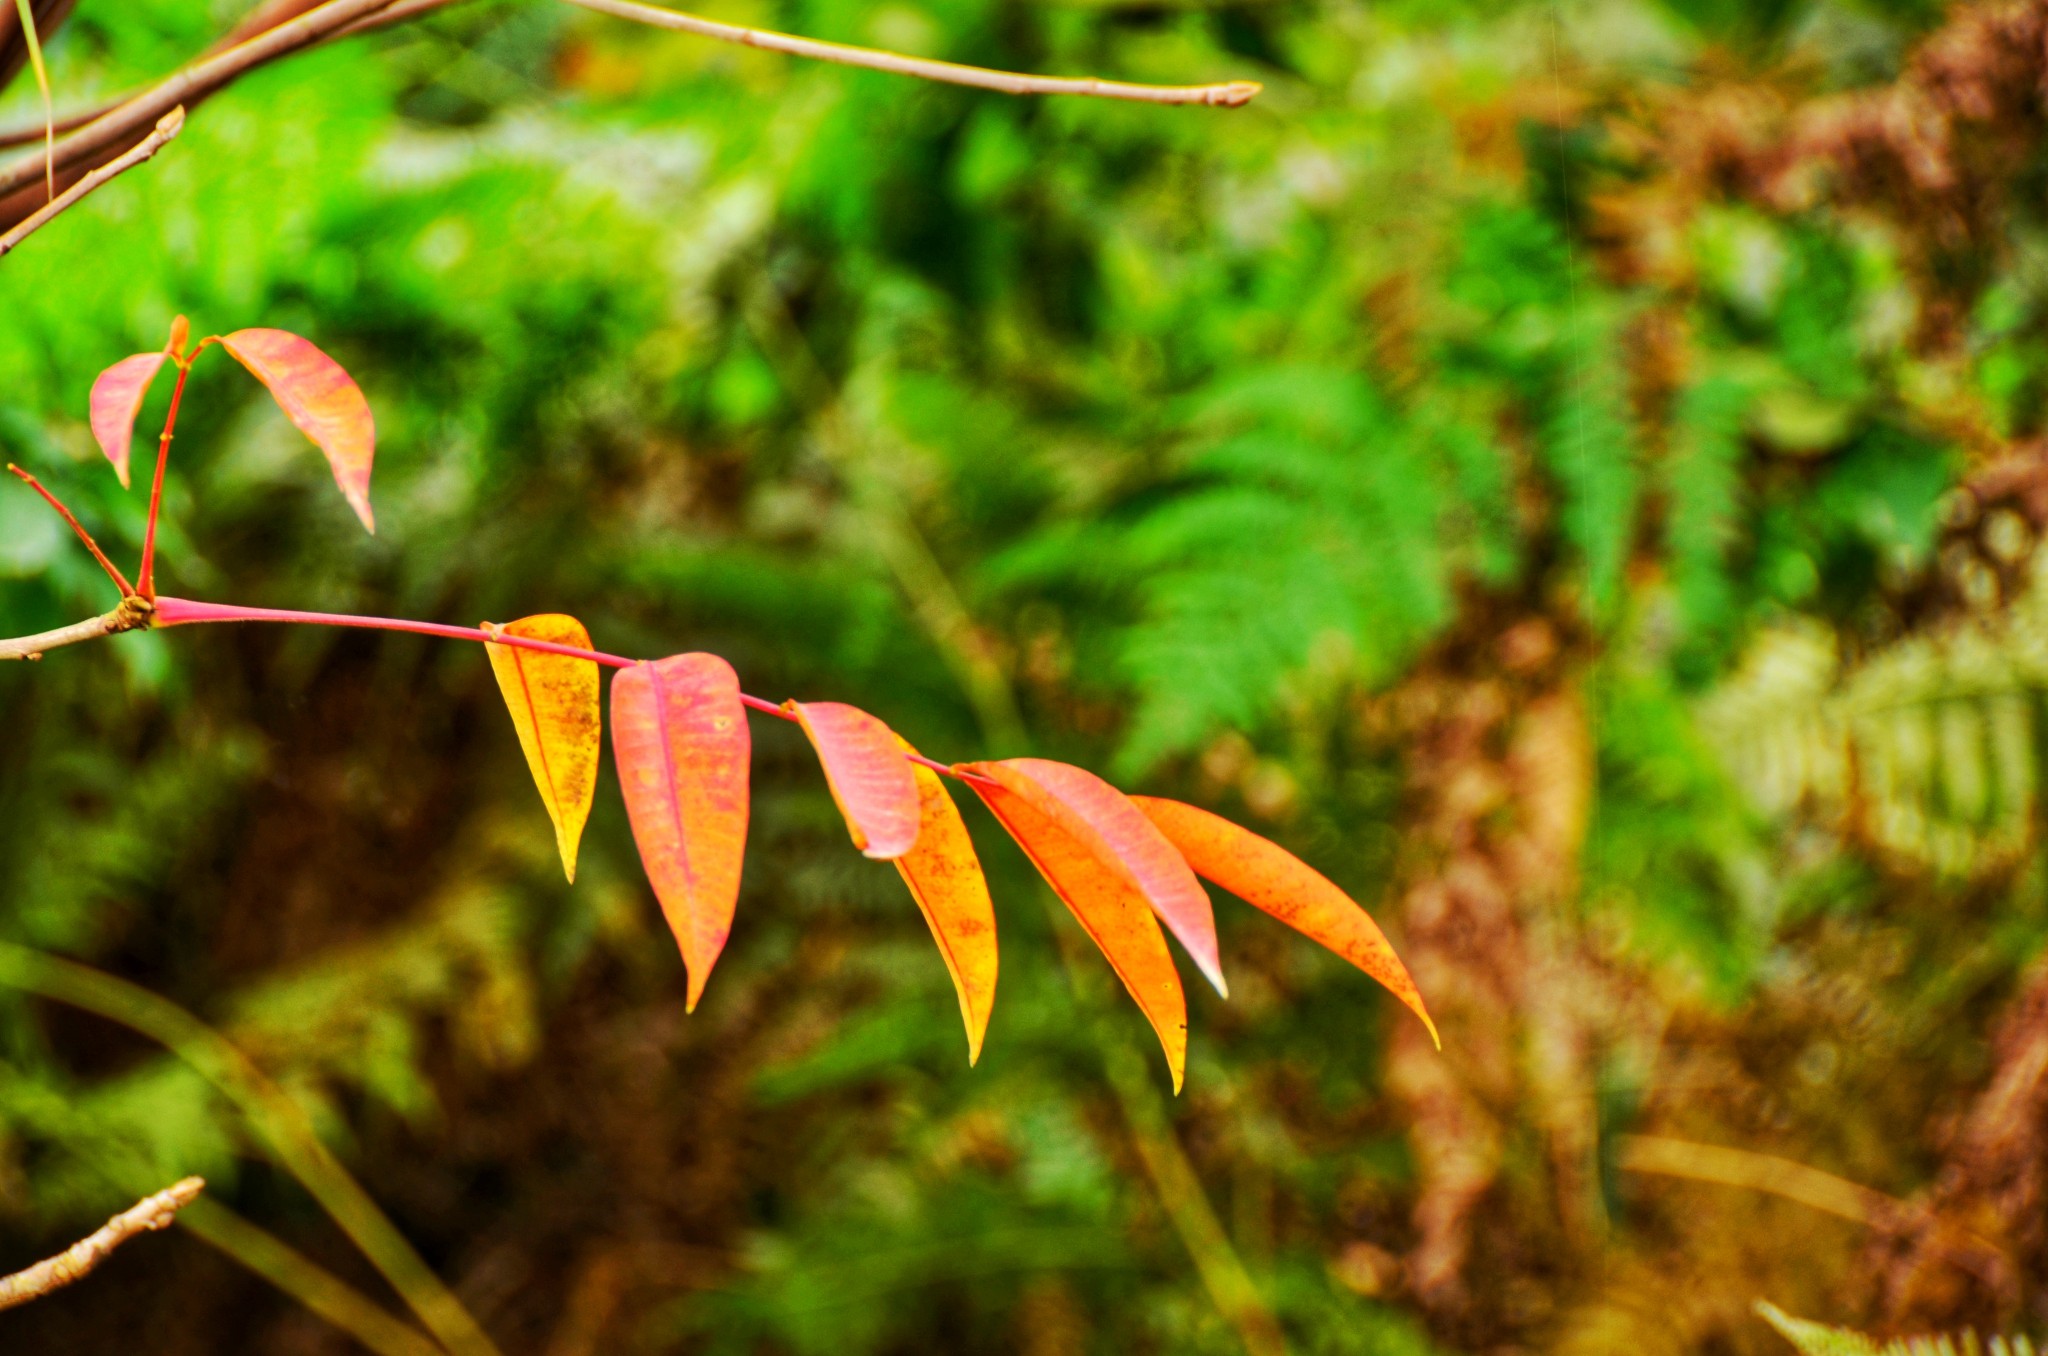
107 132
189 85
26 134
1231 94
54 1273
276 1119
167 127
132 615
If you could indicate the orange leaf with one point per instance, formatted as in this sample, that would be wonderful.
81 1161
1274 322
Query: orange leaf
1267 875
553 699
945 879
1159 871
869 776
680 735
1100 892
116 399
322 400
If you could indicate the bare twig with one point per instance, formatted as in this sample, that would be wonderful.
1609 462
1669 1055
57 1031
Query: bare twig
27 133
189 85
277 1120
167 127
54 1273
107 132
1232 94
132 615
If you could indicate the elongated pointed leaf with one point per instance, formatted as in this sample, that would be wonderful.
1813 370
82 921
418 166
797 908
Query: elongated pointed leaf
1266 875
1172 890
554 701
323 400
945 879
680 735
1100 892
116 399
869 776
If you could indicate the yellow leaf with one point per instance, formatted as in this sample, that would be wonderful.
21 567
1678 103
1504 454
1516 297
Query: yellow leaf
554 703
945 879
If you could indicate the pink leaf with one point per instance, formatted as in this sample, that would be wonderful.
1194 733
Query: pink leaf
680 735
116 399
323 400
870 778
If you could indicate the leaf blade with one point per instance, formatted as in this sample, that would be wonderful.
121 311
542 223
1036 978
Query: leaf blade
1269 877
1161 873
871 780
555 703
116 401
319 397
945 878
680 736
1099 892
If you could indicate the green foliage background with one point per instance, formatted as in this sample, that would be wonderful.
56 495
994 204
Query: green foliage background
1199 446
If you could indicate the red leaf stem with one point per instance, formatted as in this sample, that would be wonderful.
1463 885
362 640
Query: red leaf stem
184 612
145 582
113 572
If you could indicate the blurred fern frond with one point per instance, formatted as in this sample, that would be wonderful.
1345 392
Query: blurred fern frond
1313 539
1818 1339
1931 749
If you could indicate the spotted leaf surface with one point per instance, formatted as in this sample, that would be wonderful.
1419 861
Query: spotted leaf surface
946 880
555 704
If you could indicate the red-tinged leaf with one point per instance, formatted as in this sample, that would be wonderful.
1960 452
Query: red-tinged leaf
945 879
554 701
680 735
869 776
323 400
1267 875
1100 892
116 399
1172 890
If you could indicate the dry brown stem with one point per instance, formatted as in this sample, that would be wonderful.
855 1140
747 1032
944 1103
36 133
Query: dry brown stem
1230 94
167 127
54 1273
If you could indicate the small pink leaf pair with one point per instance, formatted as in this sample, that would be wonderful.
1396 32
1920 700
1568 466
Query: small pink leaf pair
312 389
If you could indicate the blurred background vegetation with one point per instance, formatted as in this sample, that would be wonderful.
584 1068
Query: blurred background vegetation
1572 471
